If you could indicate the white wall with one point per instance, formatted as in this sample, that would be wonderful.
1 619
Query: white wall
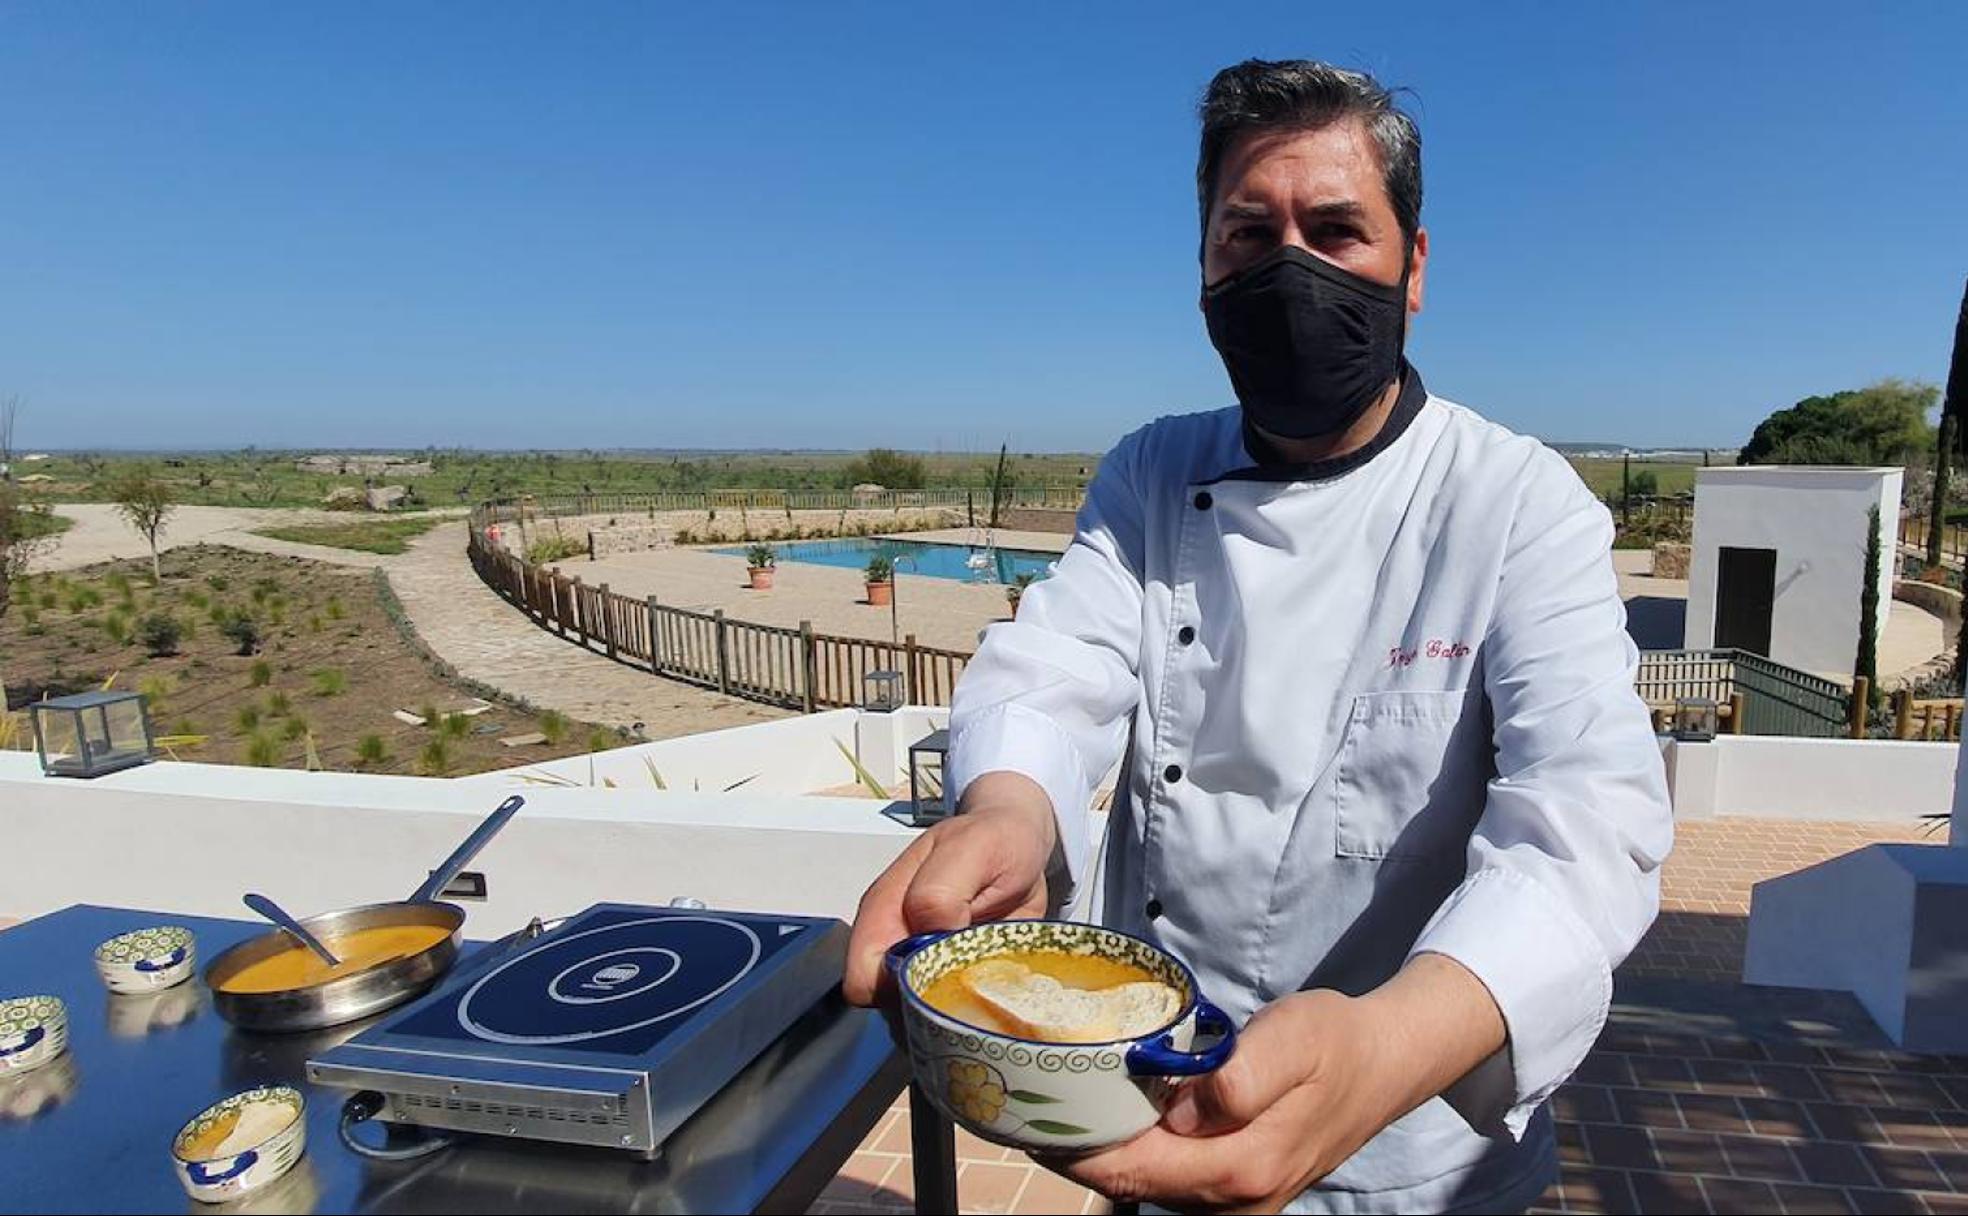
192 838
1781 778
1815 518
794 755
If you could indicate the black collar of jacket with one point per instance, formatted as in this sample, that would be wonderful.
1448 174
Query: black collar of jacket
1270 467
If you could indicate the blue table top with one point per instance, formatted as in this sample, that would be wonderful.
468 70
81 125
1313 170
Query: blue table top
92 1131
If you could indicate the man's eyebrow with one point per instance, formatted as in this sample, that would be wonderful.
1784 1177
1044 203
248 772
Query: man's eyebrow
1345 209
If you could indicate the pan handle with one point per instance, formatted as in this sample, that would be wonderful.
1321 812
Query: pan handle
441 877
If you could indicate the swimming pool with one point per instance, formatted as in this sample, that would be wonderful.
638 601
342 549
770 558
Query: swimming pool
913 557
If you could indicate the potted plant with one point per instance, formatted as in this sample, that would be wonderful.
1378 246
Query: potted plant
1016 588
759 561
881 580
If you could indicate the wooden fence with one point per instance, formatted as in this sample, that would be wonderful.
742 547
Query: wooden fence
1914 530
550 505
779 665
1933 720
800 669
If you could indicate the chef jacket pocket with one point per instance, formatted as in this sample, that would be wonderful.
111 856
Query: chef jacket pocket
1412 775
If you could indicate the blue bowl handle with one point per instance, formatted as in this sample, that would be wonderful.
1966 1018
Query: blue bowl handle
205 1177
1158 1057
163 964
899 953
28 1040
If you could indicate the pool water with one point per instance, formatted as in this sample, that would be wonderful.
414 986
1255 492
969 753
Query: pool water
914 557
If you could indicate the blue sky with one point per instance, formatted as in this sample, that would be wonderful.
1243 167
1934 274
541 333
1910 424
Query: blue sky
928 226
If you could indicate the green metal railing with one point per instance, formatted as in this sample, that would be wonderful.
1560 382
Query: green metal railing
1776 699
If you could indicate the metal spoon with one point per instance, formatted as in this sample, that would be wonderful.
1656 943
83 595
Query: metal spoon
278 915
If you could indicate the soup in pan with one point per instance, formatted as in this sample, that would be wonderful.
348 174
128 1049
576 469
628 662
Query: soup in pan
1055 997
299 967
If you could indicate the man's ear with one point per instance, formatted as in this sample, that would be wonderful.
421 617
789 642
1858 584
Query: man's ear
1417 270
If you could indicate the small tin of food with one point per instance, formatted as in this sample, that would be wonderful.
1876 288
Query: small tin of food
240 1144
33 1031
148 959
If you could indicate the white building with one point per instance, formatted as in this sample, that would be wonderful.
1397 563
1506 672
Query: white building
1779 561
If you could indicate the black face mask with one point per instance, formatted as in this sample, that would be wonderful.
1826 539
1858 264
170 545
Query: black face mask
1308 346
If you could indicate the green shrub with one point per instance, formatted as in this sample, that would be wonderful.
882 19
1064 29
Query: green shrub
247 719
456 726
371 750
116 626
329 681
30 615
154 689
118 582
598 740
217 582
81 599
185 726
335 610
294 728
314 624
278 705
435 759
261 750
761 557
198 600
431 717
160 633
553 724
243 632
277 614
881 568
262 673
555 548
48 600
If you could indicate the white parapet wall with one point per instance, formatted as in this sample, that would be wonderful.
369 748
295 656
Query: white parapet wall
192 838
786 756
1777 777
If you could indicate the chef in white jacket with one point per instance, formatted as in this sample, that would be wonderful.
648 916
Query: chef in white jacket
1387 785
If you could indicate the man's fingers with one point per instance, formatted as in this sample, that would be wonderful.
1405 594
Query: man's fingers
1158 1163
1271 1059
947 887
879 923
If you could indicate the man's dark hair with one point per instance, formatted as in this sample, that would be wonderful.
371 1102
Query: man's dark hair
1305 95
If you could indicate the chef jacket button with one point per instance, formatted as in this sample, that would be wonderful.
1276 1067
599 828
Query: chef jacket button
1154 909
1172 773
1186 634
1203 500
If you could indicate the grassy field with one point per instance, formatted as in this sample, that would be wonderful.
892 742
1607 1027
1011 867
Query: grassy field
367 535
459 478
1603 475
35 525
330 667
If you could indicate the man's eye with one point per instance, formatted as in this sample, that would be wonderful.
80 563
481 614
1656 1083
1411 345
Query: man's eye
1249 232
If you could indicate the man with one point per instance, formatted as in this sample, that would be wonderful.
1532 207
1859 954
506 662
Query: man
1387 788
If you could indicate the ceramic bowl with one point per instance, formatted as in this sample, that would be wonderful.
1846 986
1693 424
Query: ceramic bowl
33 1031
1051 1097
218 1179
148 959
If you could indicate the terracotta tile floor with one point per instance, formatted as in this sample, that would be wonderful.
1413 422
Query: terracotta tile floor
1703 1095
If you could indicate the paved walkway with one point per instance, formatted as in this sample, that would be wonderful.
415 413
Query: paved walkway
486 639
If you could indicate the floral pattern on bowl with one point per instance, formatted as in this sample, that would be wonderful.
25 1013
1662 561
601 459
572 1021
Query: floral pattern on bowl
33 1031
216 1179
147 960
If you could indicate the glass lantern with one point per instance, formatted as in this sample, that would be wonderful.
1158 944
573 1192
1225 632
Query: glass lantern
1694 719
929 800
882 691
91 733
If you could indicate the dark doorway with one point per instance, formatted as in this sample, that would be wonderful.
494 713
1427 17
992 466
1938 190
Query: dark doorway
1745 594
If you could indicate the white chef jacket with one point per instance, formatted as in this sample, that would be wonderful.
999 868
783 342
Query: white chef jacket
1371 706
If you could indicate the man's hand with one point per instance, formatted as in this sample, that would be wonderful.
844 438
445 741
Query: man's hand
1315 1076
986 863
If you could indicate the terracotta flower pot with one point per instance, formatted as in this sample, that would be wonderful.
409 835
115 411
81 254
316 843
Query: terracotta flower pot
879 593
761 577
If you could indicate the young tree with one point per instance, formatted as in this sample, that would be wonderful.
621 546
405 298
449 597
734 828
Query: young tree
1937 511
145 500
1867 666
9 414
